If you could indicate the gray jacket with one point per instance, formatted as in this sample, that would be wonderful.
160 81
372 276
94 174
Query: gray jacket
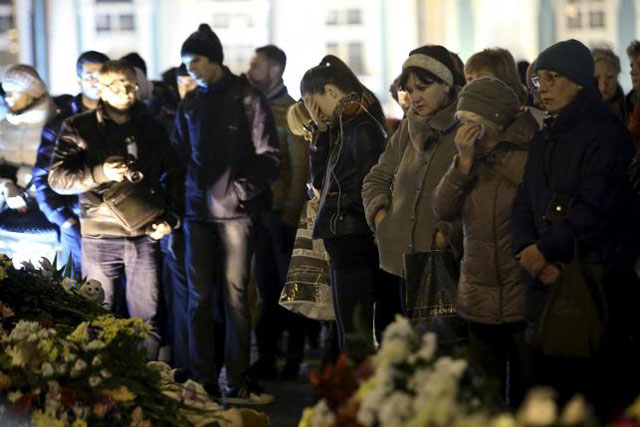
492 283
414 161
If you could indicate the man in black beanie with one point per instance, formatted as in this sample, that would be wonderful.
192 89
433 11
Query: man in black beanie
228 144
575 193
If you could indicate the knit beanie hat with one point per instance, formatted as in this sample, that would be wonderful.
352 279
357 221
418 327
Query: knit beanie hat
203 42
491 99
570 58
24 78
435 59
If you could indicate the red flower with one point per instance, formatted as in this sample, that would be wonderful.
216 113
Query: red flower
25 402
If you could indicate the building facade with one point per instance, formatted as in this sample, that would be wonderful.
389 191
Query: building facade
372 36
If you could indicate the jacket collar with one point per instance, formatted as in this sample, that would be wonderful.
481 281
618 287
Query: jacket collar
277 92
586 99
521 130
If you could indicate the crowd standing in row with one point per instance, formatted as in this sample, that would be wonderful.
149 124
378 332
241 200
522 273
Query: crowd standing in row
214 171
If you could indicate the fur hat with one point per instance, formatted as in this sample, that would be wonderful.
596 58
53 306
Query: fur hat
203 42
491 99
24 78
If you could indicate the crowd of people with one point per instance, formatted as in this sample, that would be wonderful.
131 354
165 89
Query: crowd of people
167 194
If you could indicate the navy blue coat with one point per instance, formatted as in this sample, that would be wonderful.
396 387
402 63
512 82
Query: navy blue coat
583 153
57 208
227 142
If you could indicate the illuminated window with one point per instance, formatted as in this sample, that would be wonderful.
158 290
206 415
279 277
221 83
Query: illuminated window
356 57
221 20
333 17
354 17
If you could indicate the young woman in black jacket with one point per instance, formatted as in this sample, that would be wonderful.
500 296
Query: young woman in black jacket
350 137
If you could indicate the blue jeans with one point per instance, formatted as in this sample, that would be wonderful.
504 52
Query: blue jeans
176 291
218 263
71 242
116 260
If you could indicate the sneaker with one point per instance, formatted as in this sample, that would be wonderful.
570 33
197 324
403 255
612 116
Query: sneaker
247 393
263 369
290 371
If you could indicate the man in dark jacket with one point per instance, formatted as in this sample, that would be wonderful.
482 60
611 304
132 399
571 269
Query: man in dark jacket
227 140
276 230
63 210
110 150
575 191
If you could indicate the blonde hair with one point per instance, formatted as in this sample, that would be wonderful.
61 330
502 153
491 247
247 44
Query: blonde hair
475 117
500 63
298 118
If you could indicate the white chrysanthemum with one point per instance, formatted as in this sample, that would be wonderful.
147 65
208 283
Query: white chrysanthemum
78 368
47 370
428 346
94 380
96 345
396 409
401 330
392 352
323 416
105 374
448 366
97 361
539 407
504 420
13 396
67 283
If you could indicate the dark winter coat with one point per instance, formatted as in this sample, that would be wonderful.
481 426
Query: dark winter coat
415 159
56 207
583 153
87 140
227 141
492 282
347 157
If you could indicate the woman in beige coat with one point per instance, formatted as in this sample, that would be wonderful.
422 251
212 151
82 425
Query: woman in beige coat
397 191
478 188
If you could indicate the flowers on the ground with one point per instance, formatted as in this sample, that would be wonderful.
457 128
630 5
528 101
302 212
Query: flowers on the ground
68 362
409 383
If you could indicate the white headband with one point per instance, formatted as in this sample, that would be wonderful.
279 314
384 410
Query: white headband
420 60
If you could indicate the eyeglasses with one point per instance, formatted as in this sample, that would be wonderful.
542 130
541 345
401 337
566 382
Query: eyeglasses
119 87
547 79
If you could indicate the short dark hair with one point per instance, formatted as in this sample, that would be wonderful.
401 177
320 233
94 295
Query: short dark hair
117 66
274 55
331 70
90 57
136 60
633 49
607 55
393 89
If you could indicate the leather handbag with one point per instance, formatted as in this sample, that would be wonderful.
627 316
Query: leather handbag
134 205
575 315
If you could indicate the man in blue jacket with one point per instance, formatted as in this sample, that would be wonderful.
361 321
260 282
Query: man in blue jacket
576 193
59 209
228 143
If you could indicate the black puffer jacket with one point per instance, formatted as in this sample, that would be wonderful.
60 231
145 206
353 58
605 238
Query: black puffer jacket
345 154
87 140
227 142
